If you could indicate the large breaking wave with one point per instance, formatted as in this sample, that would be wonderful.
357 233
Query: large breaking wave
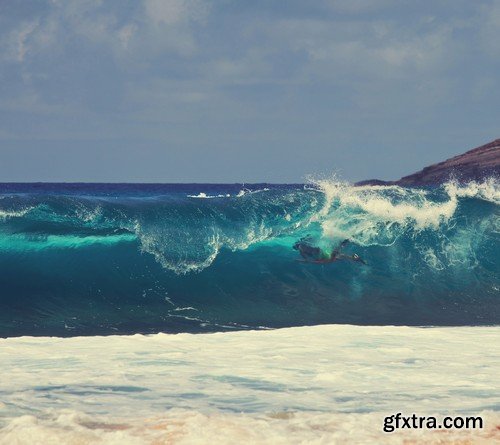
89 259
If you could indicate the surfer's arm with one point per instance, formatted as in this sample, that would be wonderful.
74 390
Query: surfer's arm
336 252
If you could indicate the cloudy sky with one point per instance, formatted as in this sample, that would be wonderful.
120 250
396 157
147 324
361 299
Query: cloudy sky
233 91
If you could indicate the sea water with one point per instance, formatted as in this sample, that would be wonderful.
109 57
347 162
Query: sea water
90 259
150 313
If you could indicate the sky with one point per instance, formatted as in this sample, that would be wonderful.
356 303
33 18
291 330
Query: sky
243 91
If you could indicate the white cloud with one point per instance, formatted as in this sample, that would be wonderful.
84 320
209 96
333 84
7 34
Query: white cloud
490 28
126 33
150 59
22 36
163 26
172 12
253 66
15 44
359 6
370 49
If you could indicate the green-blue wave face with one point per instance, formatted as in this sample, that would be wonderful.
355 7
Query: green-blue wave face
222 257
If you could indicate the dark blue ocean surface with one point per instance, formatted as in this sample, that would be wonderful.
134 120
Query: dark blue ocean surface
88 259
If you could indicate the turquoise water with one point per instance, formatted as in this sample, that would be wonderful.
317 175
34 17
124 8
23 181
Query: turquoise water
101 259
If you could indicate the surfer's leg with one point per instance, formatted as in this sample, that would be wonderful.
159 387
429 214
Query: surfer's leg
356 258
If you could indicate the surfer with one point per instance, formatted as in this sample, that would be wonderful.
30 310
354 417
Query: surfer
313 254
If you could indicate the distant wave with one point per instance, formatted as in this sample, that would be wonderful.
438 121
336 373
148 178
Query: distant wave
203 195
240 194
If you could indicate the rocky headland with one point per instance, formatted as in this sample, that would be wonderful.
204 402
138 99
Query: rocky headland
474 165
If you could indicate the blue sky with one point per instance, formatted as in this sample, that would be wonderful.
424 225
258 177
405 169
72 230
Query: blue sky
232 91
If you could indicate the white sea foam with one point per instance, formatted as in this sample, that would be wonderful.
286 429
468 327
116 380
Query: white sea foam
189 308
154 242
88 214
185 427
488 190
241 193
5 214
378 214
321 384
203 195
158 242
244 192
413 207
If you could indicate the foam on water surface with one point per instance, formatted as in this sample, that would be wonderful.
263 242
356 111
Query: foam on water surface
322 384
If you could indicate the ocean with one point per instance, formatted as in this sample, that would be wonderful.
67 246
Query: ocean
178 313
